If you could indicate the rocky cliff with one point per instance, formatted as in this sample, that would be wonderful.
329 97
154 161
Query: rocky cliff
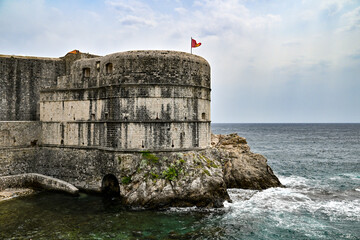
195 178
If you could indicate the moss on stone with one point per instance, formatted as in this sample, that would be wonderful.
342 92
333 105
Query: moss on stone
126 180
206 172
150 157
170 174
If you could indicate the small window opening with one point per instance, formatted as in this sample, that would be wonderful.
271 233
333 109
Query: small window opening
142 144
172 143
62 142
109 68
157 116
106 115
93 116
86 72
203 116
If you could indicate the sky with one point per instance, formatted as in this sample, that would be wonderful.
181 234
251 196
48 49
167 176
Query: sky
272 61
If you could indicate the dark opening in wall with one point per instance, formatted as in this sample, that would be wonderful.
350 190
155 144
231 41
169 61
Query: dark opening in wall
109 68
62 142
98 66
110 186
142 144
203 116
86 72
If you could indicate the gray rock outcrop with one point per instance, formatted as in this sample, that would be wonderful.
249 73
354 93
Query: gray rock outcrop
195 178
241 167
181 179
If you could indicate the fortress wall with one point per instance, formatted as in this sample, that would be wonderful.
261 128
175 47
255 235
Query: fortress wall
82 167
19 134
142 67
20 81
132 100
126 91
17 160
124 109
128 136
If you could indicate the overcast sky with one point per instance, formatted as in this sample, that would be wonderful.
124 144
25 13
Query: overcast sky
271 61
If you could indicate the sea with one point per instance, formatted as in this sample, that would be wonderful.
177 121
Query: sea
319 165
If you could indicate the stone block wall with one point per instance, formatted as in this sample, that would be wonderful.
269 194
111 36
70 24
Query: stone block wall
21 79
18 160
20 134
158 100
127 136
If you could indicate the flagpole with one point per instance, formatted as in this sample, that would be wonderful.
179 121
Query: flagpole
191 45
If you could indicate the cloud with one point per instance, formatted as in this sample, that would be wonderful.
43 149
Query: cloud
134 13
291 44
350 21
264 55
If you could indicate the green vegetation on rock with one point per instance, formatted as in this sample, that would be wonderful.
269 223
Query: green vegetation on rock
126 180
170 174
150 157
154 175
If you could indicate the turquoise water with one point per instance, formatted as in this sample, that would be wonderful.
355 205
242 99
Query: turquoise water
318 163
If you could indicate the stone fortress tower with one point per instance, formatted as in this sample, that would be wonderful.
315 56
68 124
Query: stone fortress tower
137 100
134 125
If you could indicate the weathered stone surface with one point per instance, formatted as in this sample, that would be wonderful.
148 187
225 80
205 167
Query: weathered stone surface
158 100
242 168
21 79
20 134
38 181
180 179
157 179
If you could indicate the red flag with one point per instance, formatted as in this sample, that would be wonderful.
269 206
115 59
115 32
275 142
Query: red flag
194 44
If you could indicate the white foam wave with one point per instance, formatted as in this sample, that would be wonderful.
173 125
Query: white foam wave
292 201
294 181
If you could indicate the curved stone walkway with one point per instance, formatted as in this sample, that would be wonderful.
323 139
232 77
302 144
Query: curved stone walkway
35 180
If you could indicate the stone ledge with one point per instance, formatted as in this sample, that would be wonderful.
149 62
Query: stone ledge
129 121
122 150
54 89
